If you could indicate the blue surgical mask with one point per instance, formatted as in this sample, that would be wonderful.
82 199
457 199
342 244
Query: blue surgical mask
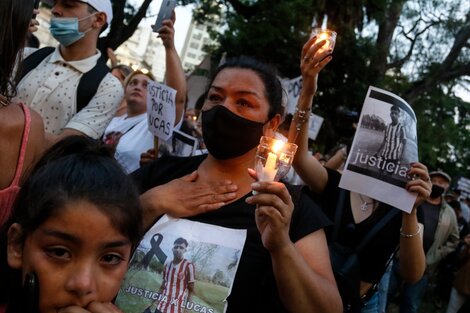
65 29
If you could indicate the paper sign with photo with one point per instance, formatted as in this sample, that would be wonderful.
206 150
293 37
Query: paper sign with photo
384 145
161 109
183 144
182 266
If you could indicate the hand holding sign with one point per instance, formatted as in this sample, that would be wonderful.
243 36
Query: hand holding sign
161 110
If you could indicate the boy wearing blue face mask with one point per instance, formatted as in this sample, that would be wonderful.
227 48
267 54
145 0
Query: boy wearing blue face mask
53 87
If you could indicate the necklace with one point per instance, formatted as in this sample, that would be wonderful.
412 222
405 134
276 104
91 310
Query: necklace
365 204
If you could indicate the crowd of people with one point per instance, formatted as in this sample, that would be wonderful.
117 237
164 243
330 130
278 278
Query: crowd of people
82 179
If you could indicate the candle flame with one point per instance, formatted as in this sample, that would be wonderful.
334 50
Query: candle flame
277 146
323 36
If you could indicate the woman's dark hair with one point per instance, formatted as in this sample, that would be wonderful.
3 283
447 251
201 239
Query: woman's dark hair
15 16
268 75
32 41
75 169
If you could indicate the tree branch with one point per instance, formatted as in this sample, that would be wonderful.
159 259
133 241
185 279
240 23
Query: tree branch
120 32
461 39
384 38
399 63
456 72
446 70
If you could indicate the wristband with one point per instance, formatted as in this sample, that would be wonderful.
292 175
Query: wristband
301 116
411 235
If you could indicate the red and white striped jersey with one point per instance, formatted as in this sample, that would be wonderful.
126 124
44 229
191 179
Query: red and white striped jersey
176 278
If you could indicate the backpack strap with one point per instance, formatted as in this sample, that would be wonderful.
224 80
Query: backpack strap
89 83
33 60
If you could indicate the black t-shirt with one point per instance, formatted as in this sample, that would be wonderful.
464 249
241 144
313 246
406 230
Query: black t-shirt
375 254
430 213
254 289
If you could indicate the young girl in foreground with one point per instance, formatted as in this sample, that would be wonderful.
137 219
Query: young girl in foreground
75 224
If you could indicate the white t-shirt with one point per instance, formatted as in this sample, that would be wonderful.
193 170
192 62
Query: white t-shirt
135 140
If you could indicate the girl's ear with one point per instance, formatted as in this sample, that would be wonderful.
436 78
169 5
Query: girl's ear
15 246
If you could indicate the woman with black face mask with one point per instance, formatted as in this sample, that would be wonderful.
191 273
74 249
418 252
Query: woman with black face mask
284 265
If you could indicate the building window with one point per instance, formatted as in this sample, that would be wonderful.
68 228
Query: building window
197 36
191 55
199 26
194 45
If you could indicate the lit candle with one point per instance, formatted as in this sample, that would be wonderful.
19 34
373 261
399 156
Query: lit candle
324 34
269 170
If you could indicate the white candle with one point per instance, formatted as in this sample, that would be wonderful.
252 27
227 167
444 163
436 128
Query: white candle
269 169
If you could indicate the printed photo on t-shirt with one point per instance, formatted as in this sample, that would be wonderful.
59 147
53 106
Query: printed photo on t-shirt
182 266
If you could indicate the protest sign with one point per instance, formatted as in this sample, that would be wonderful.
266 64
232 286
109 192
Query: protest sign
292 88
183 144
315 123
384 146
463 185
161 109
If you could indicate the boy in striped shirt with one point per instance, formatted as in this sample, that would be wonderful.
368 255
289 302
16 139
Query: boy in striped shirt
178 281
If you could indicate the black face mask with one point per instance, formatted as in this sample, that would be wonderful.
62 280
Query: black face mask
436 191
227 135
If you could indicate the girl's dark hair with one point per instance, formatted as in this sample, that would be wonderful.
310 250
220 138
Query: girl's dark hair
79 168
268 75
15 16
75 169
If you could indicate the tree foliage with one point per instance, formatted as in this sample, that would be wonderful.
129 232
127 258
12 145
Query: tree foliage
418 49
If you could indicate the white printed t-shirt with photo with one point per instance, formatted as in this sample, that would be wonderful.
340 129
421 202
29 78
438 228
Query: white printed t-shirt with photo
154 281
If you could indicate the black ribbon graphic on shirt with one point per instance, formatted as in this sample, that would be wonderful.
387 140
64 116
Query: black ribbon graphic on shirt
155 250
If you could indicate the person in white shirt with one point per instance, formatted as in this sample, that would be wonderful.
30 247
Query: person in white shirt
51 87
129 133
